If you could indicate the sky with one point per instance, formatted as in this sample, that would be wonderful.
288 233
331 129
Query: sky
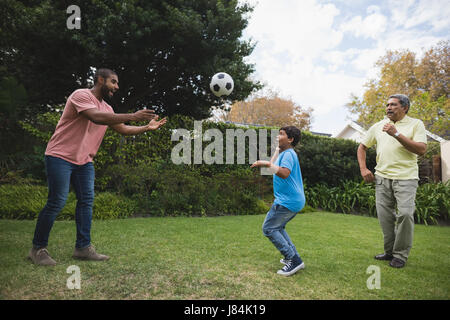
318 53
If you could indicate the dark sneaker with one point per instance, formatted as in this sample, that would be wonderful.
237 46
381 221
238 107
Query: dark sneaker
397 263
88 253
384 256
291 267
41 257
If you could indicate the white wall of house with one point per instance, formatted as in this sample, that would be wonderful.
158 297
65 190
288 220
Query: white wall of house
445 160
350 133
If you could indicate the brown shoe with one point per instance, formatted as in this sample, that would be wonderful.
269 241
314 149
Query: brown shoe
89 253
41 257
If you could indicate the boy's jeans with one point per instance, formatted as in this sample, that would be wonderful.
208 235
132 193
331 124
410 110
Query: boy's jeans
274 229
395 202
60 174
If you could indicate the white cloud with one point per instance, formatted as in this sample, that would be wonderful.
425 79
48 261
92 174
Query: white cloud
399 11
371 26
434 13
292 36
410 13
373 9
303 28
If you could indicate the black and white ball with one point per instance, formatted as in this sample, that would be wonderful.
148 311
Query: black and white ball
221 84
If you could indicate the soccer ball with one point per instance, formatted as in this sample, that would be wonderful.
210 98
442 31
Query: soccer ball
221 84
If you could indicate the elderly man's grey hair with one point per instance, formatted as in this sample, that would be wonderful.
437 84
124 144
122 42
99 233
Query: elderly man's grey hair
404 100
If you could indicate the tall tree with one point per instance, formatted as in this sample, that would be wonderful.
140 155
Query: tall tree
164 51
433 71
13 97
425 81
270 110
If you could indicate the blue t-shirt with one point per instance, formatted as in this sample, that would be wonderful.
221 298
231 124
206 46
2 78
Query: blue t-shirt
289 192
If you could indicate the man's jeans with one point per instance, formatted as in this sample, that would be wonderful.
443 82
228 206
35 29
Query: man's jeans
395 202
274 229
60 174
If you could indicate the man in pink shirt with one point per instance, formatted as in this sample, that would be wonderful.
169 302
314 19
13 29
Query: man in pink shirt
69 156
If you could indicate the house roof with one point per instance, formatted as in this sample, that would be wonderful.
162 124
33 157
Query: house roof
434 136
352 125
321 134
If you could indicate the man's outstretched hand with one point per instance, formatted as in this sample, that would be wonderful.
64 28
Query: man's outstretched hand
155 124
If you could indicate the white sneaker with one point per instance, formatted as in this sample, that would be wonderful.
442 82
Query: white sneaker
290 268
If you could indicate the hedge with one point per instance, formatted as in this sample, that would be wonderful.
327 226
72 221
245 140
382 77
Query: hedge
161 189
323 160
186 195
25 201
135 175
432 200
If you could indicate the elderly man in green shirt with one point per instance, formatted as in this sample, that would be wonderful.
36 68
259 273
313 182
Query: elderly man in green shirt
399 139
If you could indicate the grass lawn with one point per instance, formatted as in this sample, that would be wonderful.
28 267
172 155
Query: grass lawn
224 258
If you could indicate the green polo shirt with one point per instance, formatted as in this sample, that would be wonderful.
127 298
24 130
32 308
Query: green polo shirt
393 160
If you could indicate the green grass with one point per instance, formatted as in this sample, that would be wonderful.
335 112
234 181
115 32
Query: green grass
224 258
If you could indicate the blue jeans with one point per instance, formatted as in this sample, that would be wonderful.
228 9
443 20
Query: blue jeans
274 228
60 174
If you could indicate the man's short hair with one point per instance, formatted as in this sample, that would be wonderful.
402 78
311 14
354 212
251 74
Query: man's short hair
292 132
104 73
404 100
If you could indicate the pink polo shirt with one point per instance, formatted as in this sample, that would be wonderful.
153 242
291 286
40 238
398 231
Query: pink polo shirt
77 139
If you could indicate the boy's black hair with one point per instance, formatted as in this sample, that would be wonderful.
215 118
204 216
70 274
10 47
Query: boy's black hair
292 132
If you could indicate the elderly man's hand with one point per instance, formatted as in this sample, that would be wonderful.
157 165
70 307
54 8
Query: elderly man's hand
367 175
390 129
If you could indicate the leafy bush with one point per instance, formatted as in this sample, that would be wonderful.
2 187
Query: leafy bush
432 200
162 188
21 201
26 201
349 197
323 160
330 161
180 192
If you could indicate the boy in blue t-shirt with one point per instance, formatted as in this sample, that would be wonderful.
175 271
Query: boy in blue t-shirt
289 198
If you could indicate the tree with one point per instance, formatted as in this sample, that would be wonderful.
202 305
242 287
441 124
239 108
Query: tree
164 51
13 97
270 110
425 81
433 71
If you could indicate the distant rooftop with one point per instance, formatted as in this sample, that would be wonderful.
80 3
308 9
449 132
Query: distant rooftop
245 124
321 134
